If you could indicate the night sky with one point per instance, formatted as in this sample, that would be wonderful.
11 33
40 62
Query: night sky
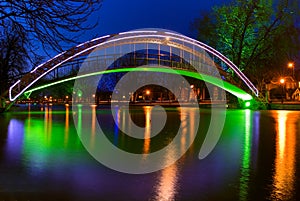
123 15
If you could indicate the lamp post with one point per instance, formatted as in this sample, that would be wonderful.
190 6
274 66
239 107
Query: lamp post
282 85
148 92
291 65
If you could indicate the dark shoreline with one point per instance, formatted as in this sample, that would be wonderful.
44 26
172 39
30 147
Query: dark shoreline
204 104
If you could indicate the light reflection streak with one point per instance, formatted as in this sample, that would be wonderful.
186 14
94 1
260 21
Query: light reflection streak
245 170
93 126
79 120
256 116
39 154
36 142
123 118
14 139
167 186
67 124
50 126
147 134
45 117
29 112
48 122
187 119
184 124
284 175
117 124
192 120
282 117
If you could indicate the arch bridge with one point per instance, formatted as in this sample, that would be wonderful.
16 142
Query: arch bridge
153 49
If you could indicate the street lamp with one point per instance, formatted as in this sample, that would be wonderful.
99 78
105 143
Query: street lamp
282 83
147 95
291 65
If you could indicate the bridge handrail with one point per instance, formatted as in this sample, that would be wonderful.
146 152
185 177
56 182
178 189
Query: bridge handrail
156 57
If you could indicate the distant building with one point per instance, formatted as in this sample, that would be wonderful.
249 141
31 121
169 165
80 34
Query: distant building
296 94
288 90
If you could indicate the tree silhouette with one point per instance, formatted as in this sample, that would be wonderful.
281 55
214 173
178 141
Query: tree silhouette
52 23
27 26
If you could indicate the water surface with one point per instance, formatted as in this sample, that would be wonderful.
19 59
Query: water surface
256 158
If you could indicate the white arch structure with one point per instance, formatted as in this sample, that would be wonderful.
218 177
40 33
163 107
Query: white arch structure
131 37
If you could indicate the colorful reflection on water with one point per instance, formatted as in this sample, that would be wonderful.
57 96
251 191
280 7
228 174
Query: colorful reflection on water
284 171
42 157
245 167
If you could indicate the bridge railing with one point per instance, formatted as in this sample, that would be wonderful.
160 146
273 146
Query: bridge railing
113 61
109 62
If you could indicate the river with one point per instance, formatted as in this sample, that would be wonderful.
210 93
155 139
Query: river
256 157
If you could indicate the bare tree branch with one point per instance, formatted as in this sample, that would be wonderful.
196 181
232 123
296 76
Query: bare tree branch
52 23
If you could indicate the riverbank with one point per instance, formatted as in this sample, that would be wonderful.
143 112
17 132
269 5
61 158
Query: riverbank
202 104
288 105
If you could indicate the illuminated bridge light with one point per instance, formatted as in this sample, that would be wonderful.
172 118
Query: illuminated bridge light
137 32
247 104
207 78
147 35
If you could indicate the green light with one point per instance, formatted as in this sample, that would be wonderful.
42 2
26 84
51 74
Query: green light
207 78
245 169
247 104
46 139
79 93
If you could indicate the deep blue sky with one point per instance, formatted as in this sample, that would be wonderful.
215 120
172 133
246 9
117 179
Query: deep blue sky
123 15
117 16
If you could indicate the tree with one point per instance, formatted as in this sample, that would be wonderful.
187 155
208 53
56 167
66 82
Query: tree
51 24
13 56
29 25
258 36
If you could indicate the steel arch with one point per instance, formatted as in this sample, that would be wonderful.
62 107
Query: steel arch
131 37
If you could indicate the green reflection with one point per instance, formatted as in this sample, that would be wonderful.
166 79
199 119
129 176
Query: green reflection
245 171
207 78
48 140
79 123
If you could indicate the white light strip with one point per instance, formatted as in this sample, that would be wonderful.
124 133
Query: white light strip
136 32
102 37
47 62
99 38
10 88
